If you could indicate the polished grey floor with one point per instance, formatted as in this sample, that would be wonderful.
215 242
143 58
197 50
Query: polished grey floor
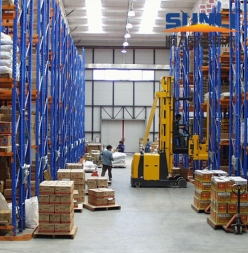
151 220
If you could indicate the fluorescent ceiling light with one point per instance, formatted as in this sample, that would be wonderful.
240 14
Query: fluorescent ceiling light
129 25
131 13
127 35
125 44
149 15
123 50
94 15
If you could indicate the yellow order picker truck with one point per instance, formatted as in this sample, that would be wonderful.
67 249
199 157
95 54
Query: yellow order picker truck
154 170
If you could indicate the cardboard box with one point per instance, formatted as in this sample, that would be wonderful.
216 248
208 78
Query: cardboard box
44 199
46 228
64 187
64 209
5 216
8 193
201 204
1 186
202 195
66 199
77 174
79 187
232 208
67 218
54 199
80 199
78 181
5 127
54 218
97 201
8 183
44 218
111 201
108 193
63 228
64 174
203 186
46 209
47 187
96 193
5 140
91 185
219 184
221 207
92 180
102 182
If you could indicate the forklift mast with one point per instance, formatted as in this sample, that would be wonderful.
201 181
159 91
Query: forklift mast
166 118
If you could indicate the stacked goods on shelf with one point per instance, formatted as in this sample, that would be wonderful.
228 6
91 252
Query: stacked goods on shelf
56 207
78 177
224 201
5 212
203 187
101 197
191 61
6 56
119 160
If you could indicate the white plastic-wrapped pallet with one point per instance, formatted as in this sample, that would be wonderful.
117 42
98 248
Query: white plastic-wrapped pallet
6 52
89 166
119 160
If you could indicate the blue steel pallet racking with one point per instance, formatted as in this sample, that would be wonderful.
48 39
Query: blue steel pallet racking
58 65
215 114
179 62
238 87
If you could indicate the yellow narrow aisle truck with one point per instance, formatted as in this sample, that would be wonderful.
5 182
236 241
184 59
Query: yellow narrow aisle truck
154 170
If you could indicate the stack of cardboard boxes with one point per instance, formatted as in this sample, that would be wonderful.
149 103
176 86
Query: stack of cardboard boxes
202 197
101 197
78 177
56 207
224 201
98 192
5 128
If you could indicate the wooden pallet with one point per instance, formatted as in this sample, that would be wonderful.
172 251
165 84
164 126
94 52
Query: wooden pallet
213 224
78 209
26 235
70 235
101 208
197 209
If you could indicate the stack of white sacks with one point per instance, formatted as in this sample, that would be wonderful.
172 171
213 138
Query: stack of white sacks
119 160
6 52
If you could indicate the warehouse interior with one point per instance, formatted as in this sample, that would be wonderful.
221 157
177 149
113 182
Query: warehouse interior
77 78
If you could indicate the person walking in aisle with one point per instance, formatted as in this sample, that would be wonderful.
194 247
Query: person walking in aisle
121 147
107 158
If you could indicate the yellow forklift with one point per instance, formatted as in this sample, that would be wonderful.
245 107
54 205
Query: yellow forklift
154 169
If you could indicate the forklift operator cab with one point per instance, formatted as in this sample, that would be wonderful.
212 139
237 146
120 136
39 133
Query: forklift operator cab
180 140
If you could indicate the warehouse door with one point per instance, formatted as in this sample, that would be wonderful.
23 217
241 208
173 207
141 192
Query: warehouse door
112 132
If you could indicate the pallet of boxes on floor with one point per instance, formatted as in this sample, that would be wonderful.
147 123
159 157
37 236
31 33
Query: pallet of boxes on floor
56 209
100 197
202 183
75 173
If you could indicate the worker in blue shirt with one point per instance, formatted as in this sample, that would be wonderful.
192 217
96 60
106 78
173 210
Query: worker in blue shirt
148 146
107 158
121 147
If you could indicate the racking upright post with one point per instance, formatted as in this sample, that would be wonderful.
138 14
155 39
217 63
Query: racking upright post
82 103
245 49
198 92
42 68
236 152
177 79
21 103
214 78
55 77
62 97
185 85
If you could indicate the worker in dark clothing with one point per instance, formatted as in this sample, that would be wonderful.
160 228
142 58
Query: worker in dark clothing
148 146
121 147
178 137
107 158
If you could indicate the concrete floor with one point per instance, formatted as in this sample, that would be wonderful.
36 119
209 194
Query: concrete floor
151 220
